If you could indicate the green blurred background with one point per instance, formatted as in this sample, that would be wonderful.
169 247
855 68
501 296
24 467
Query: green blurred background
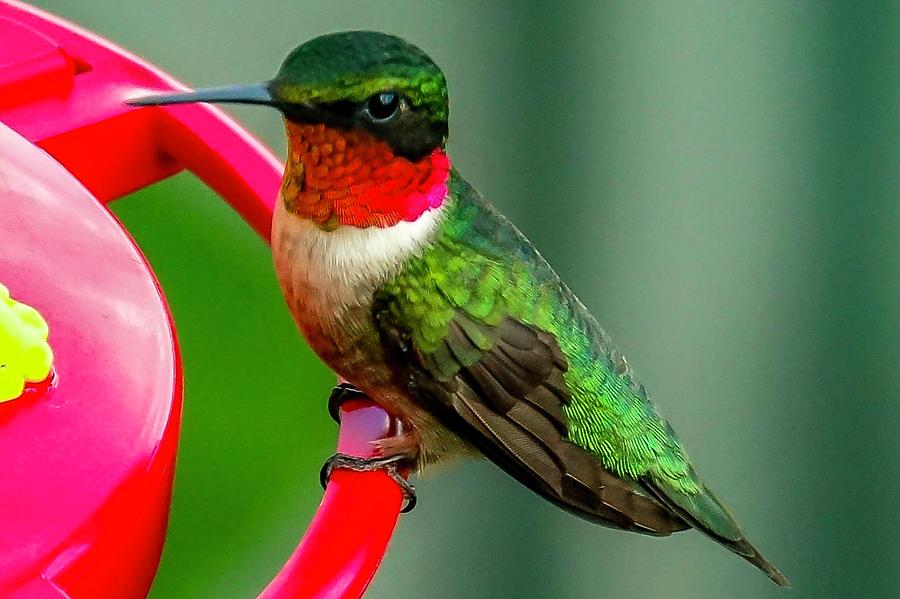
717 181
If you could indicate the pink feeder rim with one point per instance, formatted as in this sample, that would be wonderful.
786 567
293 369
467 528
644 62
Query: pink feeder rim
86 462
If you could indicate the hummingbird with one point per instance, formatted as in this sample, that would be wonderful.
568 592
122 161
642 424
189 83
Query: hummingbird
420 294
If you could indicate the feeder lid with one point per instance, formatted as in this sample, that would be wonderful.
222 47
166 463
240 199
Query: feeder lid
84 459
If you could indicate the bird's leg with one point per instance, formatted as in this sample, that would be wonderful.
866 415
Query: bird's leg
403 448
389 454
403 444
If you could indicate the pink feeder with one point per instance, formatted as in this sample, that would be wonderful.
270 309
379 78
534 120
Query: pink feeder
86 457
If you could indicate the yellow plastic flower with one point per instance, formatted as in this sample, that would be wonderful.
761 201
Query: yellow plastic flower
25 355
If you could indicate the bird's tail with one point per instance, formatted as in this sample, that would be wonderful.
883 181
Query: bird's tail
743 548
705 512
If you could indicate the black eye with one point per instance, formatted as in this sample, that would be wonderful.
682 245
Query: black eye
382 107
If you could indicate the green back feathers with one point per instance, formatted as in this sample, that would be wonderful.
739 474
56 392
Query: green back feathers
545 394
492 272
512 357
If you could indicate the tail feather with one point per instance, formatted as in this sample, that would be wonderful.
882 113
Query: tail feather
705 512
747 551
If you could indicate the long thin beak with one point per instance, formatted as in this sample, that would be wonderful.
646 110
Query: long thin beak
256 93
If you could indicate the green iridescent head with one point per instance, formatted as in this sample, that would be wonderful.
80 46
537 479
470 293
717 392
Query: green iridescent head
369 80
353 66
351 80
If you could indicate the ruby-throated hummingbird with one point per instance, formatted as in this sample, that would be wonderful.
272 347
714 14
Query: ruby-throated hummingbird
418 292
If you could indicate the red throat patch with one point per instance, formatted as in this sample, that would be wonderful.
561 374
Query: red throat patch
335 177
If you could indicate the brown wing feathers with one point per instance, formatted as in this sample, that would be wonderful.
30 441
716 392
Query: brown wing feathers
505 385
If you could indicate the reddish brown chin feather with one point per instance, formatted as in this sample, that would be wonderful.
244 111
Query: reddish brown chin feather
335 177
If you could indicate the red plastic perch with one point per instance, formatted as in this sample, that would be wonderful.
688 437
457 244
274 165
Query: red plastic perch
63 88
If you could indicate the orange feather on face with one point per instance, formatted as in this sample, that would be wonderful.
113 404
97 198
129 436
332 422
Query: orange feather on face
336 177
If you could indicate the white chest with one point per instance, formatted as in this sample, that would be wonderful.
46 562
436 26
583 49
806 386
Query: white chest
331 271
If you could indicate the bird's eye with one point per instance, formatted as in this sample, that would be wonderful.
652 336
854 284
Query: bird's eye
382 107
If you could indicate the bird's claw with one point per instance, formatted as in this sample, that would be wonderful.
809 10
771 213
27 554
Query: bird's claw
389 465
341 393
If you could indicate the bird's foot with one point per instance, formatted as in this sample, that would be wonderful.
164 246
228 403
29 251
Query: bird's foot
404 444
403 450
388 464
390 453
343 392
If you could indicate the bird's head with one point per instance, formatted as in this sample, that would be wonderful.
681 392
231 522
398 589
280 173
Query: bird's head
366 116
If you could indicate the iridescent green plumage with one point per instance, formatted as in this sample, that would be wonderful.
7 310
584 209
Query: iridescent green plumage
448 311
482 265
